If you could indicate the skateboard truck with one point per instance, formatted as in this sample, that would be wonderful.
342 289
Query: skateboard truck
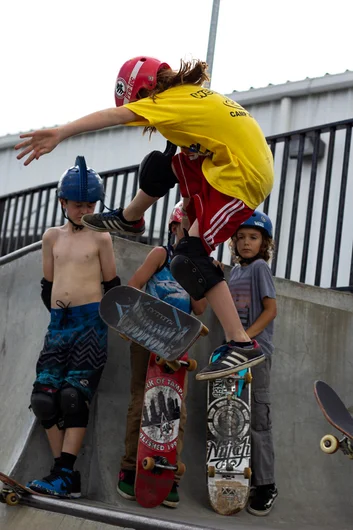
229 471
190 364
231 389
10 497
158 463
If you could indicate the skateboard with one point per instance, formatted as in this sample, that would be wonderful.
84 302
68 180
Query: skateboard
157 326
157 447
337 415
13 491
229 442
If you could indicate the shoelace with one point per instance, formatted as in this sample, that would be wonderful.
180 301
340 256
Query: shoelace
113 214
107 215
66 312
55 474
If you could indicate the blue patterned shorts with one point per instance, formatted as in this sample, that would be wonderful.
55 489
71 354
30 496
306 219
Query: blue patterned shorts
75 349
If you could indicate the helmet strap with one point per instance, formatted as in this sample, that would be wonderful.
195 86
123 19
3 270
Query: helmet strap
75 227
247 261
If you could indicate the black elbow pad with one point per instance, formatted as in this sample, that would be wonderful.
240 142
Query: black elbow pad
115 282
46 292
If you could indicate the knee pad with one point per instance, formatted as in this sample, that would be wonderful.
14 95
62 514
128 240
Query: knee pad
156 176
193 268
73 406
44 403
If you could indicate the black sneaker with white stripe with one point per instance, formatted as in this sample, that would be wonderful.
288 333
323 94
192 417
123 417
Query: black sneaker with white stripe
113 221
231 358
262 501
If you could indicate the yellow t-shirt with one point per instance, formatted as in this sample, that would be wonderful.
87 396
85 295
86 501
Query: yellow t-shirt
240 162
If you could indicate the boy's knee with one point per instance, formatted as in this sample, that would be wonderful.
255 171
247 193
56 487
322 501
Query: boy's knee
156 176
74 407
44 403
193 268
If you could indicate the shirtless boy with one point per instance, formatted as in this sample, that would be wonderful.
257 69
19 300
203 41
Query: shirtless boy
75 260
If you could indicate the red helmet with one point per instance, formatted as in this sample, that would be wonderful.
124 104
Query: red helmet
137 73
177 214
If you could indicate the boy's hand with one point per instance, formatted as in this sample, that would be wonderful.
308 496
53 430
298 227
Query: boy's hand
219 264
185 223
38 143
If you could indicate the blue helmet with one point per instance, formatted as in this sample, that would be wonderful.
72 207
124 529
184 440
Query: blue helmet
80 183
260 220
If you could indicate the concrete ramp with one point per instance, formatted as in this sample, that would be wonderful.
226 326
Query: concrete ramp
314 337
22 322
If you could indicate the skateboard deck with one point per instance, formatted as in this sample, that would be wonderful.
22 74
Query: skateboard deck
157 448
229 442
337 414
150 322
12 490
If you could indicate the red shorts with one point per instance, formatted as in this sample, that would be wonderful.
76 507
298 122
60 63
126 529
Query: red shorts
219 215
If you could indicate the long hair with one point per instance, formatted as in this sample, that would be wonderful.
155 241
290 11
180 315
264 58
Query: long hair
266 250
190 73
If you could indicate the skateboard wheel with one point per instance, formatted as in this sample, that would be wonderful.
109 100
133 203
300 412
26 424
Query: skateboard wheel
192 365
174 365
181 468
329 444
248 377
12 499
124 336
211 471
247 472
160 361
204 331
148 463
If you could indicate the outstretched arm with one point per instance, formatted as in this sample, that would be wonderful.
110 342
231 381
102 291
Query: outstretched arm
40 142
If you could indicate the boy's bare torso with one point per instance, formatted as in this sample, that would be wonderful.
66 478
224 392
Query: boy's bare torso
76 266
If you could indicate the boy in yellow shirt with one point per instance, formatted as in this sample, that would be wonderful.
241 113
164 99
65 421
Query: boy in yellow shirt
225 170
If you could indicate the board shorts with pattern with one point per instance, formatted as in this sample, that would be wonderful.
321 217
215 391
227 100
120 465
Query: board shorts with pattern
75 349
219 215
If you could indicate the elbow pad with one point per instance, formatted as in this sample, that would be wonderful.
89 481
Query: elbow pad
46 292
115 282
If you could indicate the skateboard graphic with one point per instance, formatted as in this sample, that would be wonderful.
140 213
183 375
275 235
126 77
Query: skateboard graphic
157 447
229 442
157 326
13 491
338 416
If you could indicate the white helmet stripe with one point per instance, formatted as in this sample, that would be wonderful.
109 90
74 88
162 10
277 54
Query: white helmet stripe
131 81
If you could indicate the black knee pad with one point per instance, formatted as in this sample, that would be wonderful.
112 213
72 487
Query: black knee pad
193 268
45 405
156 176
74 408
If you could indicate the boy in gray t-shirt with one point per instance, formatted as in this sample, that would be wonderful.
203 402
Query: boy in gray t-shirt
252 289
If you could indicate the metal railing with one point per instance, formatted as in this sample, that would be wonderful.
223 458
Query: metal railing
309 206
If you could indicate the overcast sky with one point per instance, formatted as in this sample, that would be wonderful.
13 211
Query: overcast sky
59 59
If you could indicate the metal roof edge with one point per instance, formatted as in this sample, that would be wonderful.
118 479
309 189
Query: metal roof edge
316 85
